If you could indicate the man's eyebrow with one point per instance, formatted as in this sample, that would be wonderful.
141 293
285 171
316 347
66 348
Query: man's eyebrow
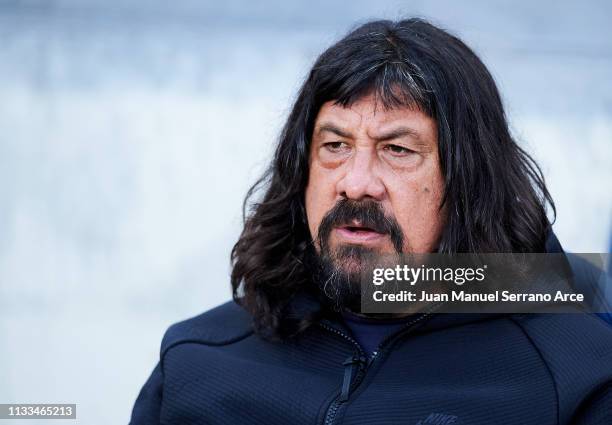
398 133
331 128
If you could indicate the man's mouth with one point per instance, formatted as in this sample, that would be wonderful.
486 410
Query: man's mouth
357 233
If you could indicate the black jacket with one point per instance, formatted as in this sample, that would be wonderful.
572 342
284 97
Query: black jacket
540 369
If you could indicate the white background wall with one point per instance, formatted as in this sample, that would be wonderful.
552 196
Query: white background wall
130 132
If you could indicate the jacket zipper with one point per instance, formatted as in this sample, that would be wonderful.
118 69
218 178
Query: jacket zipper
349 364
362 363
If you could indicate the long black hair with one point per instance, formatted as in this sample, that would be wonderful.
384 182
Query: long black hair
495 195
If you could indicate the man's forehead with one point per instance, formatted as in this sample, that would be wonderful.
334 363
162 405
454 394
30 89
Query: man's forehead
369 115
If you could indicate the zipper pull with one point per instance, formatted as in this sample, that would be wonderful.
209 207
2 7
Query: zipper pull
349 370
372 357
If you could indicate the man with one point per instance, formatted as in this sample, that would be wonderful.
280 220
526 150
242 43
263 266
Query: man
397 143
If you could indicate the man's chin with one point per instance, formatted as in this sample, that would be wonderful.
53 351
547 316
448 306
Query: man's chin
352 267
340 275
351 258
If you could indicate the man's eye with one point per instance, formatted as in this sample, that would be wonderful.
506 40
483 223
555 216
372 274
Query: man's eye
398 150
335 146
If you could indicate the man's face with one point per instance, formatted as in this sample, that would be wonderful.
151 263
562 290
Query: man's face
384 160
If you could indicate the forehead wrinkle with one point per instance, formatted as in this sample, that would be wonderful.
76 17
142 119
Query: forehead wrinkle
395 132
349 119
365 119
414 123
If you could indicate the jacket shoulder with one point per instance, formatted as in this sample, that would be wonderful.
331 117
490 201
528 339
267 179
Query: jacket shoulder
577 335
577 350
222 325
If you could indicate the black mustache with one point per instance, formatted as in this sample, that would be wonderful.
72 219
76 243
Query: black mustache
369 214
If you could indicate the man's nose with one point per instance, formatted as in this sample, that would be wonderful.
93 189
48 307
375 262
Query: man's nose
360 179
